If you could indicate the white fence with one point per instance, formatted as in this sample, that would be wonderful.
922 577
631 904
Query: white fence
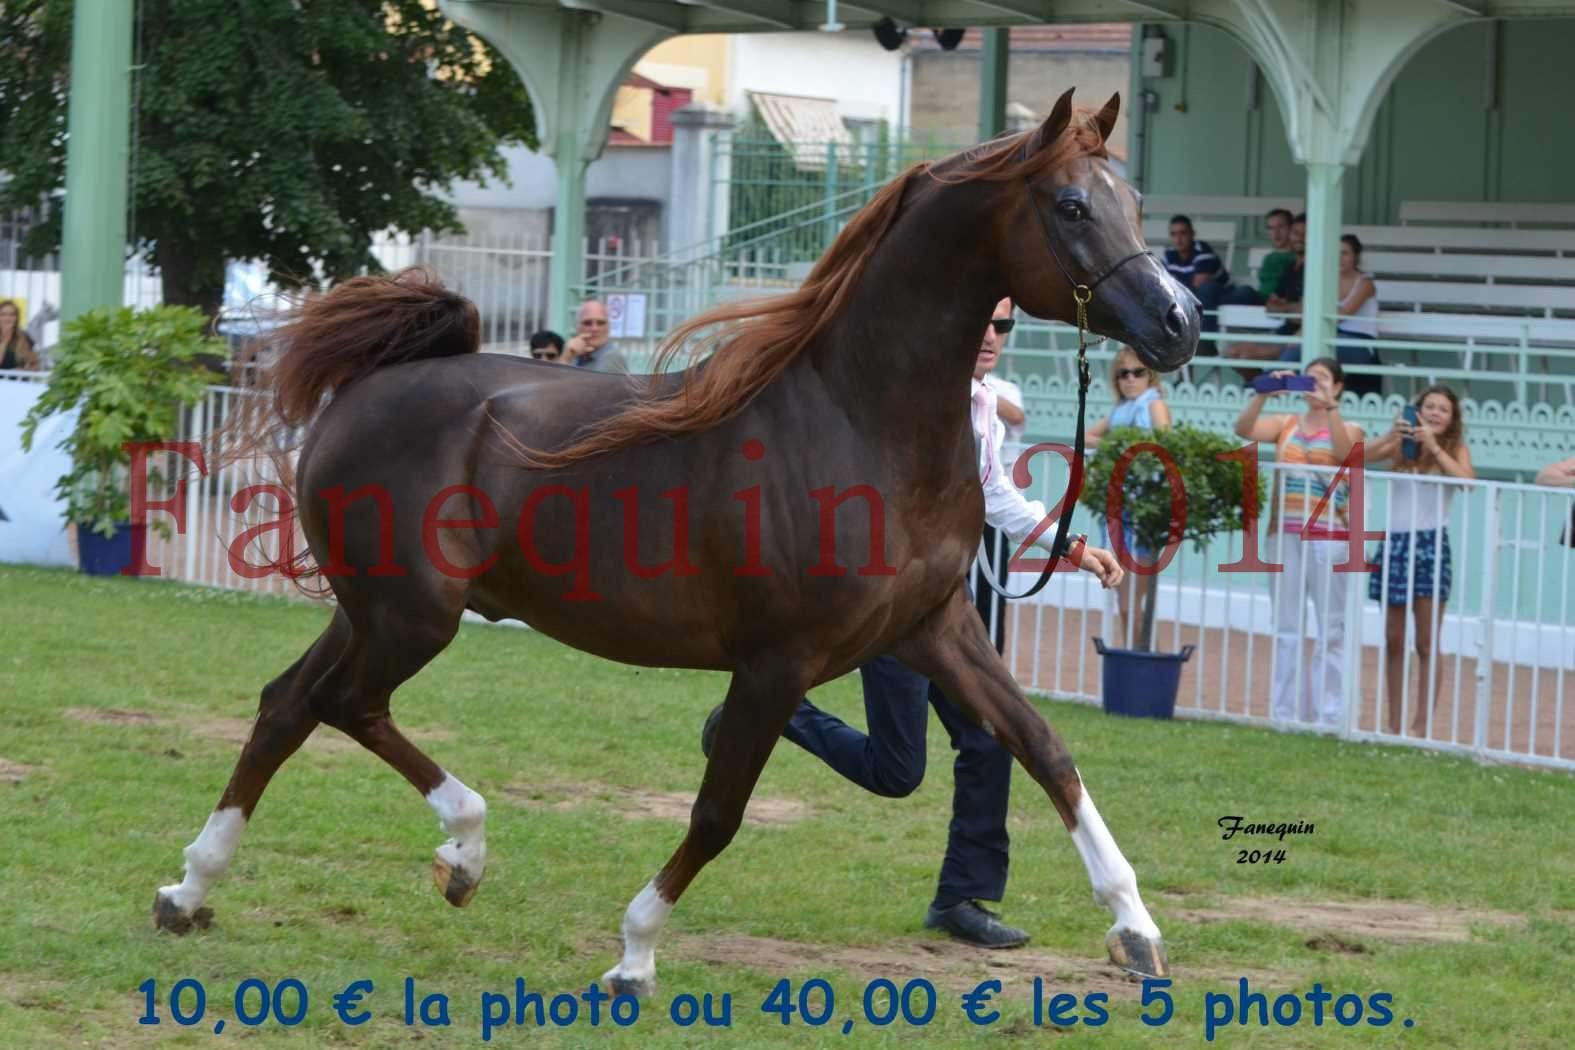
1504 649
1505 639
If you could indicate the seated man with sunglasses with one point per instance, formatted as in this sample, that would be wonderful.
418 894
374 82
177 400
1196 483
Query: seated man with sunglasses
889 760
547 346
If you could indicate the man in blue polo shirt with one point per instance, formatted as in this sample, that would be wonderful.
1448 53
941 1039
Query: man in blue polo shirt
1195 265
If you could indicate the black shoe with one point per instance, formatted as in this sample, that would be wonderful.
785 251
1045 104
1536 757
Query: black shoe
708 734
969 922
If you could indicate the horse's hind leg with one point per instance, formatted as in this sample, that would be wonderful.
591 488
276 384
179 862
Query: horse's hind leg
353 698
284 721
756 711
953 650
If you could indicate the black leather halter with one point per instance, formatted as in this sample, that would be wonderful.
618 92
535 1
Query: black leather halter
1082 295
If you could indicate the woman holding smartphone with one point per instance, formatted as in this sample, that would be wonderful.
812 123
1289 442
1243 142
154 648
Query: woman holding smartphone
1302 690
1414 560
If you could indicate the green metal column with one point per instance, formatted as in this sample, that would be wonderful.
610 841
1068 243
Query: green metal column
1321 284
994 59
566 273
93 249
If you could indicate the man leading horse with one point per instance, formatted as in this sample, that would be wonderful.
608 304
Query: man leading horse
889 760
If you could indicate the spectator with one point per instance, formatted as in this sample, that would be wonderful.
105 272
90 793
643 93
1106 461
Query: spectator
1308 550
1561 475
1194 264
1287 299
1139 403
1414 558
1358 309
1278 223
589 347
547 346
16 347
1558 475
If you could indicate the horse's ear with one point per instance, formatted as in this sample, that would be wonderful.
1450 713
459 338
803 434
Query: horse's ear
1054 124
1106 118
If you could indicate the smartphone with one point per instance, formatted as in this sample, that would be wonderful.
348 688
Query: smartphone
1410 448
1268 384
1301 383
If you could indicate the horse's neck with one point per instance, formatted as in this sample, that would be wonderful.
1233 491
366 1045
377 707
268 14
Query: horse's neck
902 352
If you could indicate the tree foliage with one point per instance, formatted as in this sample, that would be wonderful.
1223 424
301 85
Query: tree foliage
284 130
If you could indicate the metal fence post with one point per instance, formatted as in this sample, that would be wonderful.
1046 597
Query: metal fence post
831 192
1354 610
1485 617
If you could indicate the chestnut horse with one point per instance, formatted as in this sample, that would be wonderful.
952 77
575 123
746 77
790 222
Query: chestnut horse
691 518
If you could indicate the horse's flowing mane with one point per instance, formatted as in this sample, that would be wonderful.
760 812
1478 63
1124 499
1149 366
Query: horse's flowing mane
754 342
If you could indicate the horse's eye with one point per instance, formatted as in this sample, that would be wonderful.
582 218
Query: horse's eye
1072 211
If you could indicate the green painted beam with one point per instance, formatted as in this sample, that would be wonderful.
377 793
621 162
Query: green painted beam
93 249
992 82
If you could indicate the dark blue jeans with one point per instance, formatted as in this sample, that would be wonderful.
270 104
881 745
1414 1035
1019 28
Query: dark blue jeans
890 760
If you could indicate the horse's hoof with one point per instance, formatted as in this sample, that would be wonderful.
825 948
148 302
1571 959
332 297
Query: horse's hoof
639 987
454 882
166 916
1136 954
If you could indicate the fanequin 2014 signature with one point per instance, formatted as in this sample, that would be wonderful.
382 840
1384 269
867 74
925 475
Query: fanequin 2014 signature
1235 825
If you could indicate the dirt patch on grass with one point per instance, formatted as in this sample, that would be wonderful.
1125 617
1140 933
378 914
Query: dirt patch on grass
33 993
1346 925
13 772
951 966
1330 943
640 804
231 730
109 716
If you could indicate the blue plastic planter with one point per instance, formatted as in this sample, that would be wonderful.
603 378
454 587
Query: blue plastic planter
1141 684
97 556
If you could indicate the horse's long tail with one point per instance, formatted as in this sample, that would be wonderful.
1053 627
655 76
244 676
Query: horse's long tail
324 345
366 323
328 342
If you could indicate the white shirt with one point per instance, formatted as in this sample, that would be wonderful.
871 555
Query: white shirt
1004 504
1417 505
1007 390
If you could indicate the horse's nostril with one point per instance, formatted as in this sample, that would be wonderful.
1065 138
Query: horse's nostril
1175 320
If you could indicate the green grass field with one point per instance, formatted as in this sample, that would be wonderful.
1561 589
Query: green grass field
1448 885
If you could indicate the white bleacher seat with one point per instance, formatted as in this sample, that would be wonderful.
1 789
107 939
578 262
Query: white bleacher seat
1491 268
1465 238
1503 213
1408 324
1164 205
1157 231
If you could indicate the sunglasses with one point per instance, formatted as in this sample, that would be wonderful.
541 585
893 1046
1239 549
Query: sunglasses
549 355
1002 325
1131 373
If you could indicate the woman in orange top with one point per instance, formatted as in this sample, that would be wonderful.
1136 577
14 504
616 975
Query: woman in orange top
1309 550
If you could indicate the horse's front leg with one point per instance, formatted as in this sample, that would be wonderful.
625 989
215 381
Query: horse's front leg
951 647
760 700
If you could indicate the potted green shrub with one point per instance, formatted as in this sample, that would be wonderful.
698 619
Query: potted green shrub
125 374
1190 492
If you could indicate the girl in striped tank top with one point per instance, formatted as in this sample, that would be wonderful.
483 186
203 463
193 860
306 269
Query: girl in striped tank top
1302 689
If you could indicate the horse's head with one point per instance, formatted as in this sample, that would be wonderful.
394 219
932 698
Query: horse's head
1076 229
